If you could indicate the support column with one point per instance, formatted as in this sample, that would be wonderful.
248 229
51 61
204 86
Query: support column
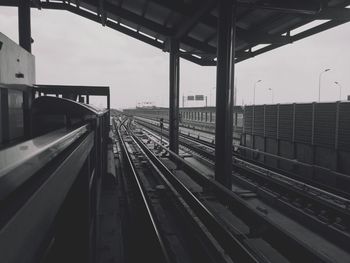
224 91
174 68
24 28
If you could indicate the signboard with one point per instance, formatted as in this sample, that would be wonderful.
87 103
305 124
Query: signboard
145 104
199 97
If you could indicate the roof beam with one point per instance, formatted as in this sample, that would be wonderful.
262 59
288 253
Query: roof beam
125 30
193 20
257 37
250 36
290 6
109 23
144 9
132 17
340 14
302 35
206 48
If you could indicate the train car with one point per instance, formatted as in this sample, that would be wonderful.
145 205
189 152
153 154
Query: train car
50 184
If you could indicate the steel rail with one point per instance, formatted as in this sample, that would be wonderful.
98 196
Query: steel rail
250 216
336 231
212 249
211 145
337 200
164 254
224 237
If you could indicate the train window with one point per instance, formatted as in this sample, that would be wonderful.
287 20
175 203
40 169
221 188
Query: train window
213 117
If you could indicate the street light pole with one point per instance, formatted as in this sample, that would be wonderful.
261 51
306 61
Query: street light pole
210 104
272 94
338 84
254 90
319 83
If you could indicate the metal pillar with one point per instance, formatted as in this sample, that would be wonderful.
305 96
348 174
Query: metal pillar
224 91
24 28
174 70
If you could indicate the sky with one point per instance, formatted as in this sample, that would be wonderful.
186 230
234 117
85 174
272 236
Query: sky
72 50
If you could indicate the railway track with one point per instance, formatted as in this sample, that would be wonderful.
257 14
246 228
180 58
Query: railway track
322 212
236 229
171 247
209 144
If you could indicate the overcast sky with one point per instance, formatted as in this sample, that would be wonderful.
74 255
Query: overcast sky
73 50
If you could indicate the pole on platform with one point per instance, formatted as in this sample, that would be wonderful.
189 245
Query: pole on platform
24 29
174 70
225 91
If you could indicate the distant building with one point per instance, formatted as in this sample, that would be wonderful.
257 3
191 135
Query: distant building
146 104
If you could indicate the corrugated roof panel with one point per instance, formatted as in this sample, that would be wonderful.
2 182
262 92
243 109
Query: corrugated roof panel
135 6
201 32
157 13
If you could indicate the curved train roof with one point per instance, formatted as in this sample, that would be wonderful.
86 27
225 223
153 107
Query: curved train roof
262 25
53 105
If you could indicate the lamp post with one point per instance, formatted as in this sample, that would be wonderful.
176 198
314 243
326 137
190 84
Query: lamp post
319 83
255 89
338 84
210 104
272 94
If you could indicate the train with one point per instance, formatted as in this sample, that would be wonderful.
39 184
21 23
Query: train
52 170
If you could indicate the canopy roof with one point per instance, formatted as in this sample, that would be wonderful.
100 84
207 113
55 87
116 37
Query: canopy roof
261 25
